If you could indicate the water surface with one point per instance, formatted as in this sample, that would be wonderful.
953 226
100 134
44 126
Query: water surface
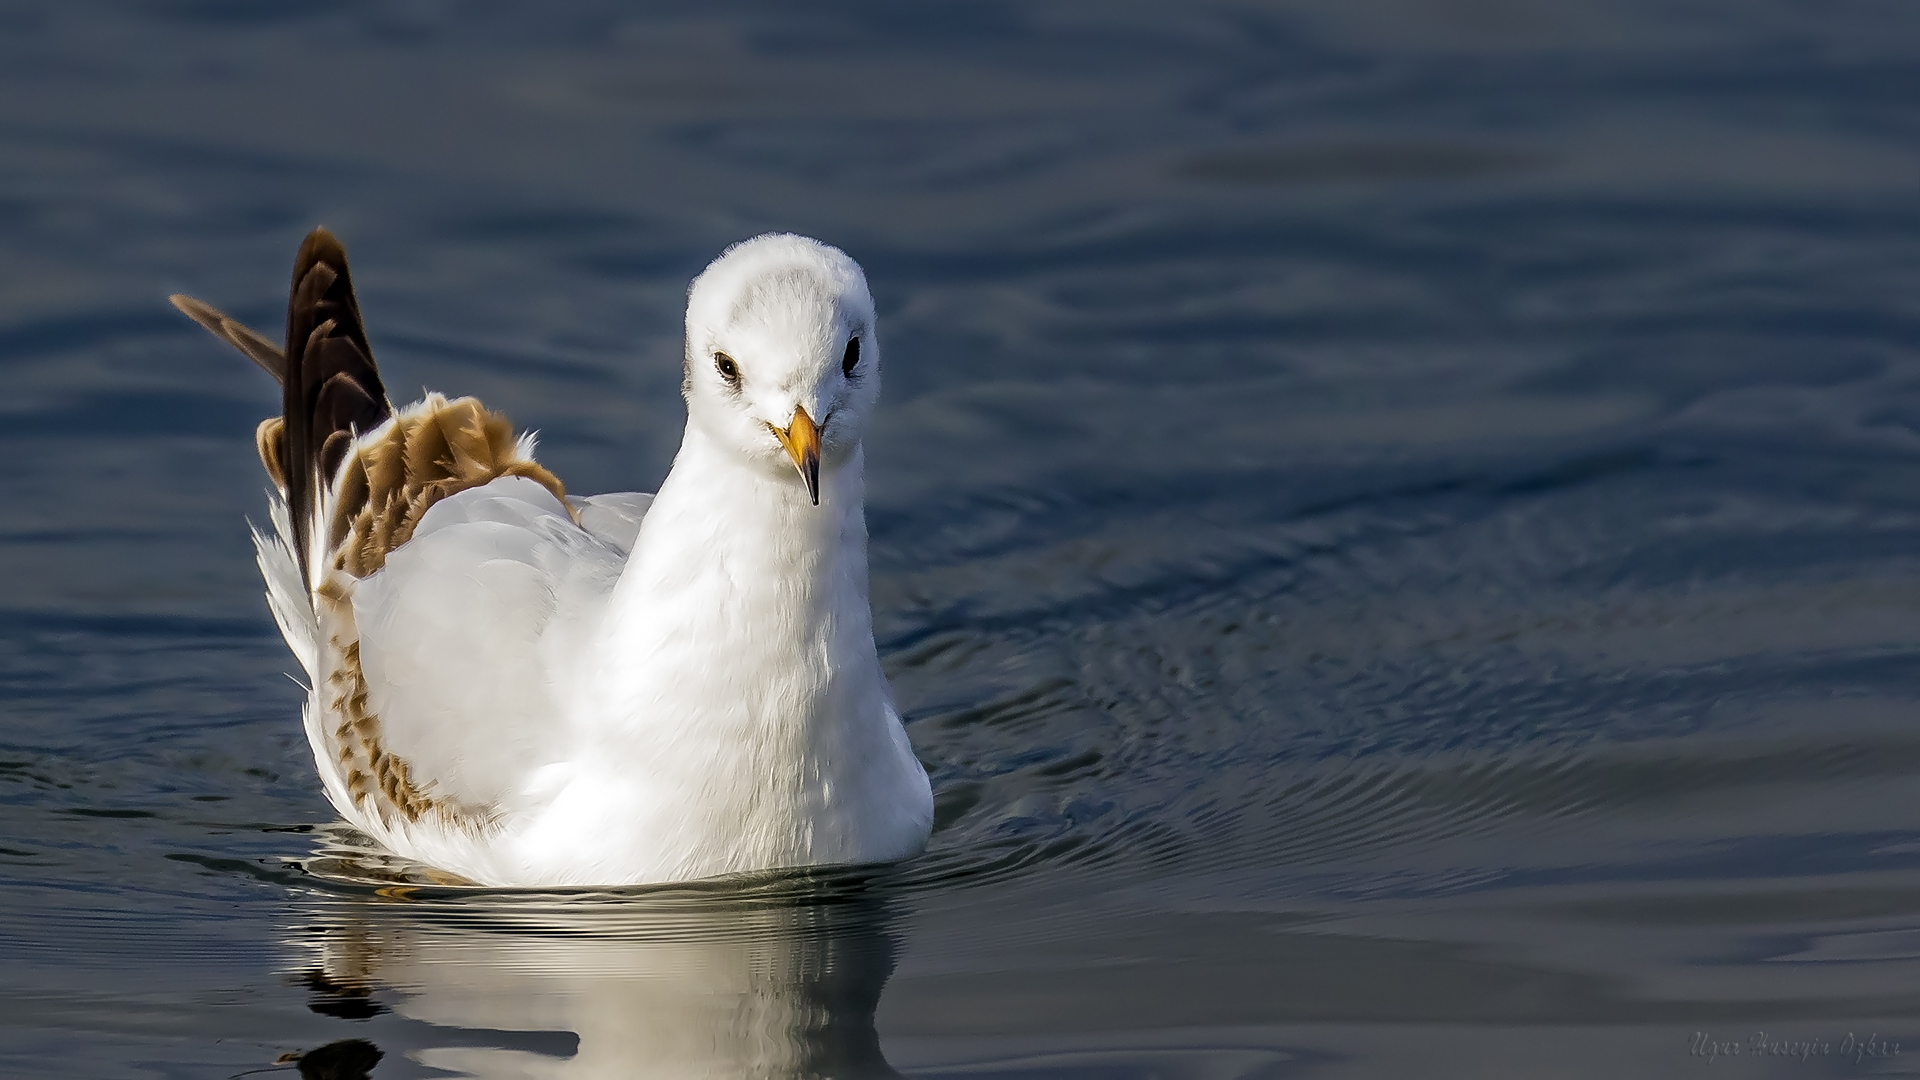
1394 528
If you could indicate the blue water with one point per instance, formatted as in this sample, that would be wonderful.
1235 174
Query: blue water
1396 528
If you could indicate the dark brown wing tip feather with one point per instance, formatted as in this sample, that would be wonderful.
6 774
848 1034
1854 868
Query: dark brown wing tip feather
333 389
251 343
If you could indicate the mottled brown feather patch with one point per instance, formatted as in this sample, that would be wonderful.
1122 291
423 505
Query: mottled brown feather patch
421 457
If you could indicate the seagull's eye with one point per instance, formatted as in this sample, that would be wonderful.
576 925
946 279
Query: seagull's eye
728 370
851 359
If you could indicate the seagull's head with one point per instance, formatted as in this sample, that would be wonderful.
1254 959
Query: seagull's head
782 362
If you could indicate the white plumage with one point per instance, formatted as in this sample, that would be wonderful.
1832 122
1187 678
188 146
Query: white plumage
625 688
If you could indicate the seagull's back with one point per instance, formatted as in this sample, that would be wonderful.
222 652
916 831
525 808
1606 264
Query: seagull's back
524 688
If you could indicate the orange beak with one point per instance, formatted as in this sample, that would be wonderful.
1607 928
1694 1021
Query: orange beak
802 441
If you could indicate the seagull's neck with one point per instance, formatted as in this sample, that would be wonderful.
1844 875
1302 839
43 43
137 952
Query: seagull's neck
739 574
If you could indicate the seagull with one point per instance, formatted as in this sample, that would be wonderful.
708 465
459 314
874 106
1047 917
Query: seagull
522 688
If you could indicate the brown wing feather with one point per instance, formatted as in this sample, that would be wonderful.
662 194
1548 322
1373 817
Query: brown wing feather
251 343
332 390
332 393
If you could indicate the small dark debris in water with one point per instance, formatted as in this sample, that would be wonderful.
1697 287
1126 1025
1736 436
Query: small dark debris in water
341 1000
83 811
348 1059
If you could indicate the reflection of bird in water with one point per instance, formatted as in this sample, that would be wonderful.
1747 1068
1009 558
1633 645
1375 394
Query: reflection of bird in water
525 688
707 986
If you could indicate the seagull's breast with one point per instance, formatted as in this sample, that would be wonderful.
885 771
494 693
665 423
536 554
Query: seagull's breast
733 715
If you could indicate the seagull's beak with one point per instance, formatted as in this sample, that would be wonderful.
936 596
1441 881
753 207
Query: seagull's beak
802 441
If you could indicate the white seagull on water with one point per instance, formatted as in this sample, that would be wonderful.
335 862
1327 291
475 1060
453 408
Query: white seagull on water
523 688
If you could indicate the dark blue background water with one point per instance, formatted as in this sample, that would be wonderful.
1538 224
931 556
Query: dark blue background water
1396 525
